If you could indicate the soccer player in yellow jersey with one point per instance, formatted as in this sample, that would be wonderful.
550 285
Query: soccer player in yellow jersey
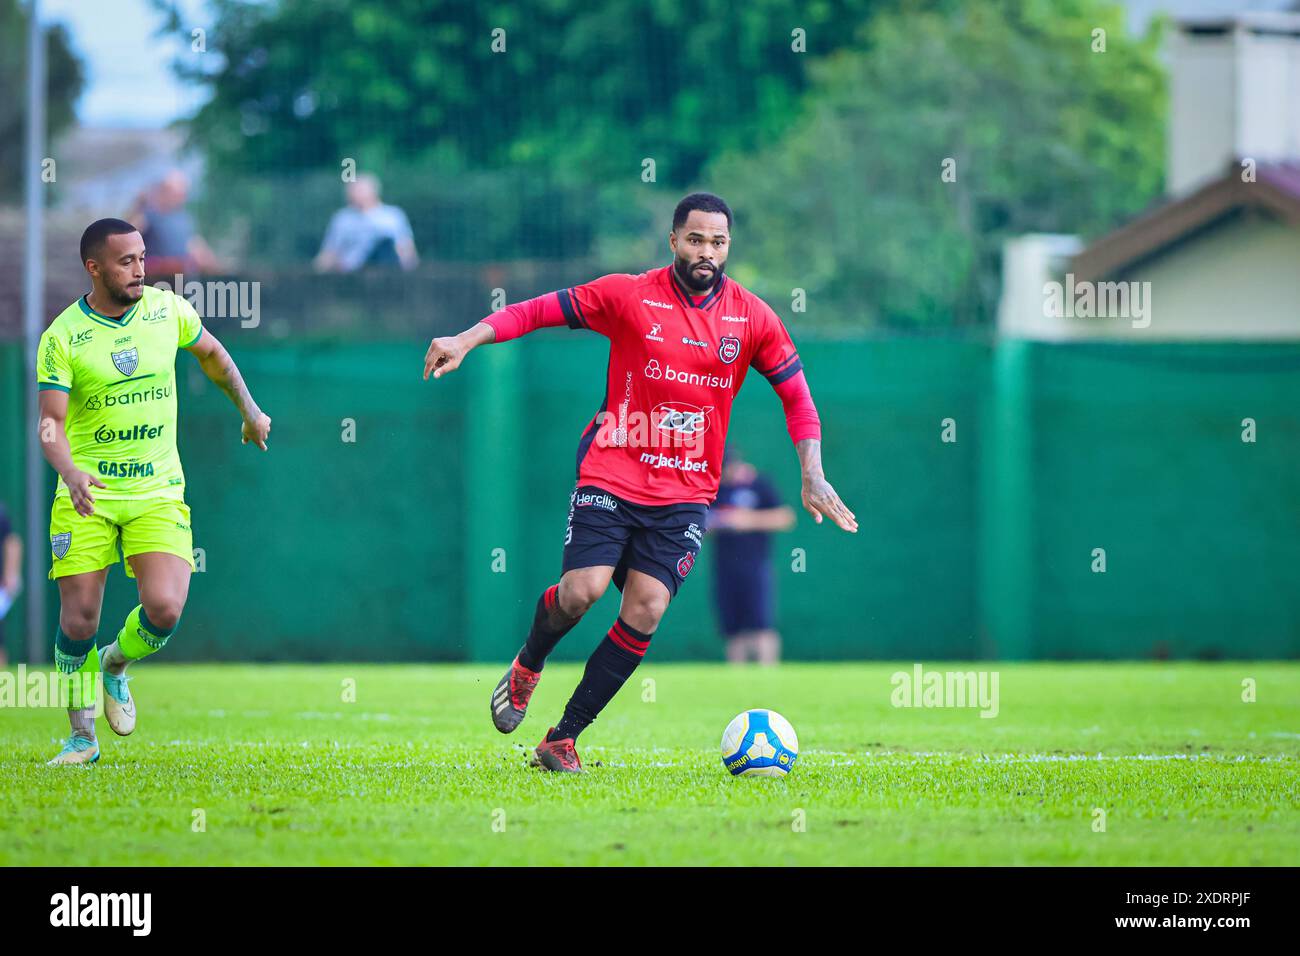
106 371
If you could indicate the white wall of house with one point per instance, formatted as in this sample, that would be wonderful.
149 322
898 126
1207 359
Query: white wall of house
1234 92
1240 280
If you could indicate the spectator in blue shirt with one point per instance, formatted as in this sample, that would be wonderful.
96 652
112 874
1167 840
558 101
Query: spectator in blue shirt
171 239
366 233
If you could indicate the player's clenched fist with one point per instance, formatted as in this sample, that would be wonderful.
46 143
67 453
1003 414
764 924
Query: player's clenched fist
79 483
444 355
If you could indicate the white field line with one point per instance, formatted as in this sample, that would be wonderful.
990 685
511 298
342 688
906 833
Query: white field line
654 757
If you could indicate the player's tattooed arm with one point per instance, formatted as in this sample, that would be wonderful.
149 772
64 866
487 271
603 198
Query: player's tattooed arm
224 373
446 353
819 498
57 451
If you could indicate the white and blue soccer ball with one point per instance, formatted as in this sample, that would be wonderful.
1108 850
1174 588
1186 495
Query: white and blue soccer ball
759 743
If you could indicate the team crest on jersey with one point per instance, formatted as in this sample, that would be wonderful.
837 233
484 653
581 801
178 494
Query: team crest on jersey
127 360
685 564
59 543
729 349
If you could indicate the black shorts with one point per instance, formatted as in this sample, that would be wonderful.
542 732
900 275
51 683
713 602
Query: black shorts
744 598
659 540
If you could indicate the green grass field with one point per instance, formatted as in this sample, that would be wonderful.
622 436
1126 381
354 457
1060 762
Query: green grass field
285 772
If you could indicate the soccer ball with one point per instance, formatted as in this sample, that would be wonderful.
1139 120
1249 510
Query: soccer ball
759 743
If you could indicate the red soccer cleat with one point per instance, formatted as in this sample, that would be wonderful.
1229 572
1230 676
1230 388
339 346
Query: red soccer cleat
511 696
557 755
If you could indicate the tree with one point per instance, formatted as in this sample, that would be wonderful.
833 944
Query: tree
63 85
586 89
1037 132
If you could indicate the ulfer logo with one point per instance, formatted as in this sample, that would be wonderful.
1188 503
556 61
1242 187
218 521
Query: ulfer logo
103 909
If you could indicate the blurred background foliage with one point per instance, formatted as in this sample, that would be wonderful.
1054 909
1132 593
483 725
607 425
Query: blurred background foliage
64 81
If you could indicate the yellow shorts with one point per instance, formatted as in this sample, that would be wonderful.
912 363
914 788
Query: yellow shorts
82 544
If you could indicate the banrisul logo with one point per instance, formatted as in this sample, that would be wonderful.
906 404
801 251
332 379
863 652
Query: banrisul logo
113 399
127 360
131 910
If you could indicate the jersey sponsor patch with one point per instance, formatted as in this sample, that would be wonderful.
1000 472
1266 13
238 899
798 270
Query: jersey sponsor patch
586 499
681 418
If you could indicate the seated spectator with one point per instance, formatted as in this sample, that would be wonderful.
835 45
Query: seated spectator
366 233
172 244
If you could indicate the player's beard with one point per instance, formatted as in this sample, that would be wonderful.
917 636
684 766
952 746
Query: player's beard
124 295
685 275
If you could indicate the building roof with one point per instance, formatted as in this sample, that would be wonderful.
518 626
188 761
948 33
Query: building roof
1275 191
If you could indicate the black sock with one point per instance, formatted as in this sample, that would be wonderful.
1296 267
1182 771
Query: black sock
608 668
549 625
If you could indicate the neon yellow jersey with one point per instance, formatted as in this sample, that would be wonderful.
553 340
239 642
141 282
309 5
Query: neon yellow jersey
120 376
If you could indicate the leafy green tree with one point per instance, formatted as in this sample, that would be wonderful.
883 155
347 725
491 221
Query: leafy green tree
588 90
1038 130
63 86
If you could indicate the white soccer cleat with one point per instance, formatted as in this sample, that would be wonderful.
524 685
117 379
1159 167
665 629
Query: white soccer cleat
76 750
119 705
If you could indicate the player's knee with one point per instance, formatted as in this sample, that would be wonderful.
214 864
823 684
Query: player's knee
164 613
644 611
576 597
78 623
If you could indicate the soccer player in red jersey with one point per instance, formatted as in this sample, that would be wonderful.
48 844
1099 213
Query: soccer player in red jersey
682 338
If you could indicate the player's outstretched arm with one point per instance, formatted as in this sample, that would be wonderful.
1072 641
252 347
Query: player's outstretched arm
445 354
221 369
57 451
819 498
519 318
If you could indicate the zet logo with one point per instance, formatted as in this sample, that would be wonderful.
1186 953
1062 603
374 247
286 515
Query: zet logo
681 418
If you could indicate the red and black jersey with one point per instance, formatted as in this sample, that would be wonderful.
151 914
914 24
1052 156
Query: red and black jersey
676 362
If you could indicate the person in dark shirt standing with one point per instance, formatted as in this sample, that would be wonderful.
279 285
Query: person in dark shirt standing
748 510
11 562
